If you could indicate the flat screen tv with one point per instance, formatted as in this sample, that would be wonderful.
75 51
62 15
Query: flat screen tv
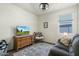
22 30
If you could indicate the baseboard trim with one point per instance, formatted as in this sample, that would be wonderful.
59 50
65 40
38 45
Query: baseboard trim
49 42
10 50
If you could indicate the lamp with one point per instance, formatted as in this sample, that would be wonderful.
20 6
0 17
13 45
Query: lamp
44 6
65 34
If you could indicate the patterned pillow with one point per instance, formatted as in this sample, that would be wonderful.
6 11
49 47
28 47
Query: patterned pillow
65 41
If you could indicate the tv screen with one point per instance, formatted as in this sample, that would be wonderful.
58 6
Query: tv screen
22 30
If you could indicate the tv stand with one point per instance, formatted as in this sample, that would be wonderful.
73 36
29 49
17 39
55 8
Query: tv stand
22 41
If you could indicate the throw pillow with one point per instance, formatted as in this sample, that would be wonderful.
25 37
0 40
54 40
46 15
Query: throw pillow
65 41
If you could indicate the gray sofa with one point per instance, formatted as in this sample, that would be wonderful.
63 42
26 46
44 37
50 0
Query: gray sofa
61 50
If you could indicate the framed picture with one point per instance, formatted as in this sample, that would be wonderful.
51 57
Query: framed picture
45 24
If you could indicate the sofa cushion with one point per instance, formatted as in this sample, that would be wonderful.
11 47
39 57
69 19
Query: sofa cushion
58 52
65 42
75 45
61 46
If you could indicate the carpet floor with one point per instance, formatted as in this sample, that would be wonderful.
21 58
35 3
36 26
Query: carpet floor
38 49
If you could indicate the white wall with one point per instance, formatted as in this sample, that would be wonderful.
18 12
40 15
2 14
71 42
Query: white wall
52 32
78 18
10 17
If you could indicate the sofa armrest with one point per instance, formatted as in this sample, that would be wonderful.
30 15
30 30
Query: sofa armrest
58 52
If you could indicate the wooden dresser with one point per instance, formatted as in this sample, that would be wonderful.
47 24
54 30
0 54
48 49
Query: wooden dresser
22 41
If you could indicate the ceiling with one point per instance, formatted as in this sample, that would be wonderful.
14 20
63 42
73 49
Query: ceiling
34 7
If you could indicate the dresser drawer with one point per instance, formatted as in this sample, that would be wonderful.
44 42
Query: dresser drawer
24 38
19 39
18 44
28 37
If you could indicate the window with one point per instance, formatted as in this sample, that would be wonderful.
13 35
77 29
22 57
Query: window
65 23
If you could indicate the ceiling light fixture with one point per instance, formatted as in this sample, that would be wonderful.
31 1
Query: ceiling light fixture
44 6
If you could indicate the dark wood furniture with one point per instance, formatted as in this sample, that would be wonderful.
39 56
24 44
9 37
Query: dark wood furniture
22 41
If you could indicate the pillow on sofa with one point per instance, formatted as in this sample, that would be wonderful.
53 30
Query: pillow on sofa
61 46
65 41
